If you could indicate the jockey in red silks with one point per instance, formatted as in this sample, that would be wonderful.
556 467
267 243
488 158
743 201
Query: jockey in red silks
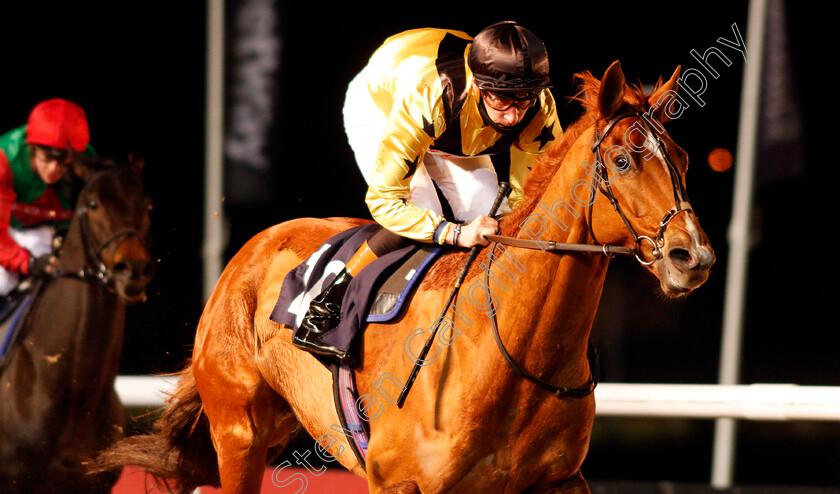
35 187
423 118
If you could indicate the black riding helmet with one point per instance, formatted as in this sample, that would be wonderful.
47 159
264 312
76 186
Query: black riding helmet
509 59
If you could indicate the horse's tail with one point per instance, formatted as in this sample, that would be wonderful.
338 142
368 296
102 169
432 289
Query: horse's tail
178 452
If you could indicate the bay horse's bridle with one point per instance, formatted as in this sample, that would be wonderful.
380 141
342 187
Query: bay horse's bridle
95 268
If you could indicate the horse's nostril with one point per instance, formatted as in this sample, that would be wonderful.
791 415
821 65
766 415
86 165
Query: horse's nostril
121 267
682 257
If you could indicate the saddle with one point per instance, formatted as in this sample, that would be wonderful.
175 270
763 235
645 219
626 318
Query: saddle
379 293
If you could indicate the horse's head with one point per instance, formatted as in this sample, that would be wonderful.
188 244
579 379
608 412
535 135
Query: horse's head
639 174
112 212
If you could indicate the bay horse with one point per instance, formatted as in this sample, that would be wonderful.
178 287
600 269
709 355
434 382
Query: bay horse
58 405
470 423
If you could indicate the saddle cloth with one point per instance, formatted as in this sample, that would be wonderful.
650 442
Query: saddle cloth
377 294
15 308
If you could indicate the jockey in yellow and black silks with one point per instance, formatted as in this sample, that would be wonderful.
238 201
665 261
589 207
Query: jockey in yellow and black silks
423 118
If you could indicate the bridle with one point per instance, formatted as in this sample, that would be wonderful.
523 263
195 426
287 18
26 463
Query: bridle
600 181
95 268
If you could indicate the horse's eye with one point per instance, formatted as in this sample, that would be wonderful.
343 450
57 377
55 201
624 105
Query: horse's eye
620 163
93 205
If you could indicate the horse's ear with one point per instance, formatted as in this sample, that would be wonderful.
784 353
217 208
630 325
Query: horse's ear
82 167
611 96
136 162
671 86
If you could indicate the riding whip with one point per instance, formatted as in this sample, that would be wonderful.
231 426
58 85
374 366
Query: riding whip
504 190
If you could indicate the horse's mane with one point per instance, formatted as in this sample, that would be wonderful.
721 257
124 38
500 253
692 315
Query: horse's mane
86 167
100 163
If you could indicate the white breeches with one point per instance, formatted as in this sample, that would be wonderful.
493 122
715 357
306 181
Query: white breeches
469 184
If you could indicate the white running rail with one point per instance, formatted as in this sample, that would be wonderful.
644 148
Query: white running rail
775 402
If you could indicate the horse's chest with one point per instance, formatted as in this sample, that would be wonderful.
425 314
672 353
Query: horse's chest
512 448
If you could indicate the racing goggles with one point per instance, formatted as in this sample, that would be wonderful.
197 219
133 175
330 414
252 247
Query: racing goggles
502 101
55 154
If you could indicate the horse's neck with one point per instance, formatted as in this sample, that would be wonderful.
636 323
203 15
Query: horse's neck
554 303
80 317
558 293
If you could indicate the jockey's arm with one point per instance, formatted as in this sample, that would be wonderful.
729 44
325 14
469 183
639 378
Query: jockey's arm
13 257
407 137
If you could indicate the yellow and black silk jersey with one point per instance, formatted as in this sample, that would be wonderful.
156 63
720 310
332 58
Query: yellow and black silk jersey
421 81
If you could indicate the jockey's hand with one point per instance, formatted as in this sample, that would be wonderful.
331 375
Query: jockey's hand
473 232
45 266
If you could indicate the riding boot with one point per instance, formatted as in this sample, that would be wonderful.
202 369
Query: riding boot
323 315
324 312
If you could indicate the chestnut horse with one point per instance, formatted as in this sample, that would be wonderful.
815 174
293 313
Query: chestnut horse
58 406
470 423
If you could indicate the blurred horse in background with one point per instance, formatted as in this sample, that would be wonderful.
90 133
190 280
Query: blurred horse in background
58 406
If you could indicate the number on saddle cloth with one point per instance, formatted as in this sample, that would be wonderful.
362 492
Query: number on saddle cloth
377 294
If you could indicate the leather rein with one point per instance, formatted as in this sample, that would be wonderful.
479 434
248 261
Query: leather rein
600 182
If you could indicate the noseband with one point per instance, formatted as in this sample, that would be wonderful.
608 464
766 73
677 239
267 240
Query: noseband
95 268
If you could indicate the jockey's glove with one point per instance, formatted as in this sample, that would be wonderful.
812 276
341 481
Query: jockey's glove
45 266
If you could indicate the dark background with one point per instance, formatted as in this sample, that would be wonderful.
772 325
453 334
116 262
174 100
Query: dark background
138 69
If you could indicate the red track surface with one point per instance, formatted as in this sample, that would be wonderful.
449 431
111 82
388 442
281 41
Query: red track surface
133 481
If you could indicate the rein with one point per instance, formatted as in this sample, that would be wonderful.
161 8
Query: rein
559 391
600 182
552 246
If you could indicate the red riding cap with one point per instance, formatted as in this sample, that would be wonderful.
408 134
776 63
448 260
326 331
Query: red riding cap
58 123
